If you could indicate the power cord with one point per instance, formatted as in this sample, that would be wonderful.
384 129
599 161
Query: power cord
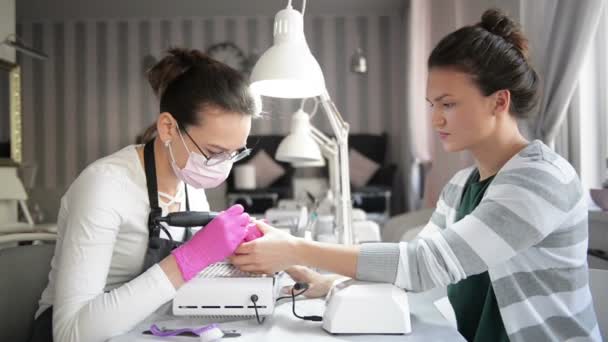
254 299
302 287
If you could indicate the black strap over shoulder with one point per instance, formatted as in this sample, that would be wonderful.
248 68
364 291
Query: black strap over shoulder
188 232
154 228
158 248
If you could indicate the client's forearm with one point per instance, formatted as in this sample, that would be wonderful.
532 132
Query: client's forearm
330 257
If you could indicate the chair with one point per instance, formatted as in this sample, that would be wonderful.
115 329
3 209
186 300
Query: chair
598 282
406 226
25 272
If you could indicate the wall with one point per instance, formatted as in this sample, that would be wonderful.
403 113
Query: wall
33 10
7 27
90 98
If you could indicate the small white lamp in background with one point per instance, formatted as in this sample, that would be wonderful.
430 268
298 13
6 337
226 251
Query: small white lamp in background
316 163
289 70
358 62
299 146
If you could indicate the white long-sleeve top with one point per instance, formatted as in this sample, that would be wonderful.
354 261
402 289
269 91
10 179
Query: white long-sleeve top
96 285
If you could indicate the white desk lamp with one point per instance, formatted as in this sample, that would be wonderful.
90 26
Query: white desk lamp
289 70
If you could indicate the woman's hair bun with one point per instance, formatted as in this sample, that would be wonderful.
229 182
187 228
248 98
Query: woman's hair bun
176 63
497 22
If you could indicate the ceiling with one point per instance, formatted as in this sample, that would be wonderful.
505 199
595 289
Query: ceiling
32 10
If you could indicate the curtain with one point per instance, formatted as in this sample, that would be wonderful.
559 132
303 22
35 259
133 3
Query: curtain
558 44
417 48
582 137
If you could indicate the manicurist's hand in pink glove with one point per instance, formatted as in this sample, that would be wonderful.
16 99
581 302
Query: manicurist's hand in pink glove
215 242
253 232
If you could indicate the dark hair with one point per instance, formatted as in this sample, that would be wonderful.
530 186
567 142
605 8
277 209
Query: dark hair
495 53
188 81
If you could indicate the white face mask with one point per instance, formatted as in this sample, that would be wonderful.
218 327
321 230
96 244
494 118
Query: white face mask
196 172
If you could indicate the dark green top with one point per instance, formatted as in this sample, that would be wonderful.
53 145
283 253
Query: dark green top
473 298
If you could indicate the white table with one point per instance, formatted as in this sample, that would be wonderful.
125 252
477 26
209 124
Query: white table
427 325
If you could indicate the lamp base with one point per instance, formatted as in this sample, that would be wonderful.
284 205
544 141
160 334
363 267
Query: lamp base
355 307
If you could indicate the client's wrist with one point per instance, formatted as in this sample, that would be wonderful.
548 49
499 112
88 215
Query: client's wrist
300 248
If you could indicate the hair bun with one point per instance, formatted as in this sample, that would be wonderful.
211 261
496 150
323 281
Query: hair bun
187 58
176 63
497 22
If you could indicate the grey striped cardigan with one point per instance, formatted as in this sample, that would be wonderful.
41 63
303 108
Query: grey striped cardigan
529 232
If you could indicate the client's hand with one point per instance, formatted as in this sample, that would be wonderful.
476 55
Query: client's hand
213 243
318 284
270 253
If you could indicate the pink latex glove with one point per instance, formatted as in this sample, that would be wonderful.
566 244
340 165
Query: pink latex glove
214 243
252 232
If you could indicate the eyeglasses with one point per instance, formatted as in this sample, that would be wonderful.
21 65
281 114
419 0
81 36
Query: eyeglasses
221 157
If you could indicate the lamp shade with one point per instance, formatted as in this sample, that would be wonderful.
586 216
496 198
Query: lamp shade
314 163
299 147
288 69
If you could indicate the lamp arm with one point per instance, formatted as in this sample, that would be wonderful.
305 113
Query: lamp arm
329 149
323 140
339 126
341 172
